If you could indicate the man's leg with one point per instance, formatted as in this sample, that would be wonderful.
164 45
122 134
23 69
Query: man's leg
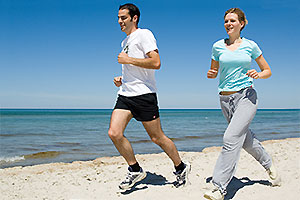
118 122
157 135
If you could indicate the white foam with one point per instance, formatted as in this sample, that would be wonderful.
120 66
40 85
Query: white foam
11 159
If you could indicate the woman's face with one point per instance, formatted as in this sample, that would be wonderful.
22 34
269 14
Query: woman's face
232 24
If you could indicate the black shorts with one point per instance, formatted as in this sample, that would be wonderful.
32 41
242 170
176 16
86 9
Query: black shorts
143 107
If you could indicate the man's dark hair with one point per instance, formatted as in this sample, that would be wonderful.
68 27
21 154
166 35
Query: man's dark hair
133 10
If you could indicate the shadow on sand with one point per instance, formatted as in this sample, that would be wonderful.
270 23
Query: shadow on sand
237 184
151 179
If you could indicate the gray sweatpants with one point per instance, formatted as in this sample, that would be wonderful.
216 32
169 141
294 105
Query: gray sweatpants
239 109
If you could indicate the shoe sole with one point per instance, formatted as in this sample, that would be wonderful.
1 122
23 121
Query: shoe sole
209 197
276 182
188 171
134 182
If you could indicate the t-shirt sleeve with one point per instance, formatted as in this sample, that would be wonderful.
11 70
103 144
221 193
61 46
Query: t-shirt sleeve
148 42
255 51
214 53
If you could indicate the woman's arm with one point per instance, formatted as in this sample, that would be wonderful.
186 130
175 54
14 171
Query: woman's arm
214 68
264 67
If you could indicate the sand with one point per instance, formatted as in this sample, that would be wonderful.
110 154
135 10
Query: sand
99 179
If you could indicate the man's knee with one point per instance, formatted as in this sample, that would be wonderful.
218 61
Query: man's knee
160 140
157 140
115 135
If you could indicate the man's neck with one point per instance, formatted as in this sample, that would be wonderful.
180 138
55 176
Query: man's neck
131 31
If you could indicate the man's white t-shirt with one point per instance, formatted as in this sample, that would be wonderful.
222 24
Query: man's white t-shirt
137 80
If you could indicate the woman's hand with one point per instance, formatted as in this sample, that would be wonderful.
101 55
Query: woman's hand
212 73
253 74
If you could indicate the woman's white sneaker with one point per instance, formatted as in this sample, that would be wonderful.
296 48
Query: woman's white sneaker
274 176
214 194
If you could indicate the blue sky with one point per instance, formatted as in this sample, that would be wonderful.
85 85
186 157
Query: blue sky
63 53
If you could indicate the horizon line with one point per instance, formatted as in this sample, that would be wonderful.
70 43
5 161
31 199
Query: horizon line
36 108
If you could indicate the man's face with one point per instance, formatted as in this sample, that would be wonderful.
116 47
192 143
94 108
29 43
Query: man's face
126 22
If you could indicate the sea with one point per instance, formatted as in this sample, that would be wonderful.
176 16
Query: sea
38 136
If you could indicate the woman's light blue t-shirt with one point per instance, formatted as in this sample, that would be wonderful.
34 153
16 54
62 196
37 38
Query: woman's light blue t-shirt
233 65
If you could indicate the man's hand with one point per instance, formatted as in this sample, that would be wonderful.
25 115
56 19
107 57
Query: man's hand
212 73
118 81
123 58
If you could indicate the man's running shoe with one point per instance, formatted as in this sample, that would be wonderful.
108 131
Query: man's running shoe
182 176
131 179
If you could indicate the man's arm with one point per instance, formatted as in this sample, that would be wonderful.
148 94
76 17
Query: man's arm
152 62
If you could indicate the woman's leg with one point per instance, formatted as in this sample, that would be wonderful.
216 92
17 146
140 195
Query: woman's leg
254 148
239 110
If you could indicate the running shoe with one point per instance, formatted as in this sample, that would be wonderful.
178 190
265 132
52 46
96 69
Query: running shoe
274 176
214 194
131 179
182 176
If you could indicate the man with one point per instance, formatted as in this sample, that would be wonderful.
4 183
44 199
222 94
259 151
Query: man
137 97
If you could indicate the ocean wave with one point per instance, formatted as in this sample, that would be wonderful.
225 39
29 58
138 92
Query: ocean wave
140 141
70 144
91 129
8 135
24 134
184 138
194 137
11 159
45 154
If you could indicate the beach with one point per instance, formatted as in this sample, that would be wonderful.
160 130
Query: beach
99 178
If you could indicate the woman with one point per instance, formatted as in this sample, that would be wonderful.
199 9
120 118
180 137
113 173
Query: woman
232 57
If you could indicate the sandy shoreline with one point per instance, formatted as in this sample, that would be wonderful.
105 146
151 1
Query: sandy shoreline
99 179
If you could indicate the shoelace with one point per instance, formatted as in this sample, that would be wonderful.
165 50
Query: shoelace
128 178
180 176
